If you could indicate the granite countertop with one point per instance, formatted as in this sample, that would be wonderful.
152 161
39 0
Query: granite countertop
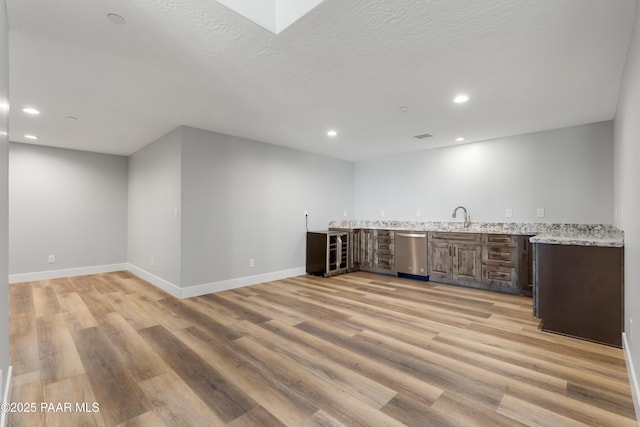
559 234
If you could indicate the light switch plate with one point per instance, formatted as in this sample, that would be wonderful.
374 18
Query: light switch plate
508 213
540 212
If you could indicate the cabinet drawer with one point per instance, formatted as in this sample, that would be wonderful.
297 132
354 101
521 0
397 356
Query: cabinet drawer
471 238
500 276
500 255
384 236
509 240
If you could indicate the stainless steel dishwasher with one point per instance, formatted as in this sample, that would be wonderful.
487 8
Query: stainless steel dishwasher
411 253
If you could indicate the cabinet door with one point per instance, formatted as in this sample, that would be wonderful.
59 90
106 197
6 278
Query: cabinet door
366 250
439 261
467 263
354 249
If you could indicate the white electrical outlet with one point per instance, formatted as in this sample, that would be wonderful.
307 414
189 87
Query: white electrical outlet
306 212
153 261
382 214
418 213
252 262
344 214
540 212
508 213
52 259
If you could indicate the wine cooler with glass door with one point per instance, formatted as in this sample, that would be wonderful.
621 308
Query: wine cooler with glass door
327 252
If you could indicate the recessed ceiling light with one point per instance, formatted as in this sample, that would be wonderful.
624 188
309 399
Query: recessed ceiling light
460 99
3 133
31 110
31 136
459 139
115 18
404 108
4 106
72 118
332 133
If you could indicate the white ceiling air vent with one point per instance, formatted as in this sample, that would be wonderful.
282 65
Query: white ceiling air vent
423 136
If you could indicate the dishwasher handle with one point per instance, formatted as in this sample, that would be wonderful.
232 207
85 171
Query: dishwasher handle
410 235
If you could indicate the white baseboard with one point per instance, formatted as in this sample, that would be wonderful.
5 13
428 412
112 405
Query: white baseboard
165 285
6 395
208 288
633 379
66 272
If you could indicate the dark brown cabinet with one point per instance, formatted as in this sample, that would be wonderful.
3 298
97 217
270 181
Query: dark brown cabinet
579 291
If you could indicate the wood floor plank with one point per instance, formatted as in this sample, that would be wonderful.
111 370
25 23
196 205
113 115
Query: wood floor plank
115 389
23 336
150 418
328 396
533 415
194 316
21 299
213 388
45 300
72 391
359 386
58 355
454 410
358 349
78 315
176 404
257 417
141 361
138 319
289 406
394 378
436 375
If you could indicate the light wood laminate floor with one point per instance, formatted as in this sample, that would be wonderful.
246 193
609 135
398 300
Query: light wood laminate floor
355 350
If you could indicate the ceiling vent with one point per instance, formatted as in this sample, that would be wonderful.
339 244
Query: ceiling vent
423 136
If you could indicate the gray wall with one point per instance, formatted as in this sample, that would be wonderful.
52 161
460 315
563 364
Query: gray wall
244 199
67 203
568 172
154 200
627 184
4 237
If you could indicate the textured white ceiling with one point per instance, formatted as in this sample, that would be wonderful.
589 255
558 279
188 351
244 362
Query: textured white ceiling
349 65
274 15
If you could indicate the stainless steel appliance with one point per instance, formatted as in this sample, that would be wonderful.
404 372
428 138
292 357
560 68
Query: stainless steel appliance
411 253
327 252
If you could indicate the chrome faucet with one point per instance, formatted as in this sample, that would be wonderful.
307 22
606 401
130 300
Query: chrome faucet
467 218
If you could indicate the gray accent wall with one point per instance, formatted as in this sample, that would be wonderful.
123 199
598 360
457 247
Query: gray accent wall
627 192
4 202
67 203
568 172
154 200
245 200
